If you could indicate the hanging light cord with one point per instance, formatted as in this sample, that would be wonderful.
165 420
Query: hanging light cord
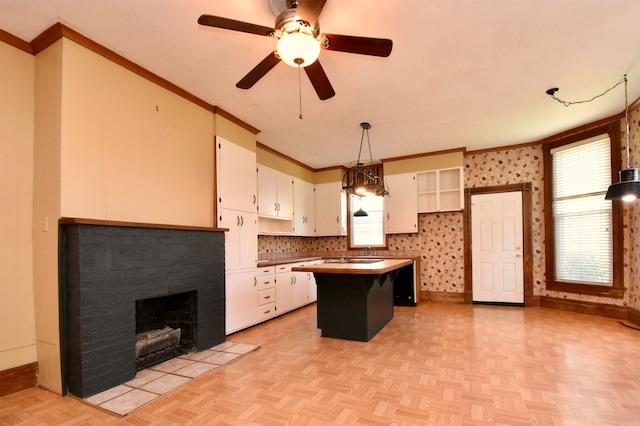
552 93
626 120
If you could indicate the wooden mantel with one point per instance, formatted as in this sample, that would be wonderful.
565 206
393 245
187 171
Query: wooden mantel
99 222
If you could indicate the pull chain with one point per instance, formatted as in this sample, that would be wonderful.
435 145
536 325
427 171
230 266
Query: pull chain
300 90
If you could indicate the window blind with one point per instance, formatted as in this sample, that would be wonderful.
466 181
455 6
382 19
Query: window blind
583 241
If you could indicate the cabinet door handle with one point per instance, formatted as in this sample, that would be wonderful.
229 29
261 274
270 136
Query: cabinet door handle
337 219
255 281
275 206
387 215
237 220
254 199
267 297
241 220
266 312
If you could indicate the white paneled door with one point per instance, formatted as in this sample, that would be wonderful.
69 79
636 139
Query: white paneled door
496 247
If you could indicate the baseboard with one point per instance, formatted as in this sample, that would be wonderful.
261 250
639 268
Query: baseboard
633 316
18 379
580 307
442 297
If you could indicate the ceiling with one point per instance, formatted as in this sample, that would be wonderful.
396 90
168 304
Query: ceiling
462 73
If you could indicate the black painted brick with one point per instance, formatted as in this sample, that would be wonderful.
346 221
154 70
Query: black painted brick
108 268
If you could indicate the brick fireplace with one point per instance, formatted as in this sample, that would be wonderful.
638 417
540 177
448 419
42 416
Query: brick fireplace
108 270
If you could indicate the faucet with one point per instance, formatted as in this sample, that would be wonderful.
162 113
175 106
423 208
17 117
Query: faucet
366 251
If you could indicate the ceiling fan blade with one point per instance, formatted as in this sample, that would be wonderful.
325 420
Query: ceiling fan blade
231 24
309 10
360 45
259 71
320 81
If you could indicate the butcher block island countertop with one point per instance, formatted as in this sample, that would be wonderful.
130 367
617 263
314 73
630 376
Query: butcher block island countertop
355 296
355 266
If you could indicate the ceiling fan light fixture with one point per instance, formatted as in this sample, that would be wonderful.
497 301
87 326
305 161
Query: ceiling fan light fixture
298 49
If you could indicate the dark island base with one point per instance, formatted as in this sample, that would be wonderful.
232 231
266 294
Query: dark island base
354 307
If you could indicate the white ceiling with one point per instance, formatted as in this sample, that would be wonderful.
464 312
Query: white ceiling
462 73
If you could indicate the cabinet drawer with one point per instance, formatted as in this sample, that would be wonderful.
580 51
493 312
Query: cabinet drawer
266 281
266 296
265 270
281 269
266 311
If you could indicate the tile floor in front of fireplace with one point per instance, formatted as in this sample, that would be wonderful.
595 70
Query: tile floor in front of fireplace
154 382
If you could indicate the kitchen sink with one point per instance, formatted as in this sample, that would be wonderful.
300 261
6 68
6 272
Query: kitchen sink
353 260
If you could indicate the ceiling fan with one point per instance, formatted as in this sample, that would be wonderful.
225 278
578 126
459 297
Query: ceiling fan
300 42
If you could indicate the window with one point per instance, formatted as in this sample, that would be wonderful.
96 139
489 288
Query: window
582 241
366 231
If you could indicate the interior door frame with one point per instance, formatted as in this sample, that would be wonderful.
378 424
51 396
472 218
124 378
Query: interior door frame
527 253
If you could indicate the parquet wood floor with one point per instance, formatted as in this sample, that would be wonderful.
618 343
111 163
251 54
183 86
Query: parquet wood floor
437 364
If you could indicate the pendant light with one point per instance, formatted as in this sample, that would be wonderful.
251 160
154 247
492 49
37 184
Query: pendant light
363 180
628 189
360 212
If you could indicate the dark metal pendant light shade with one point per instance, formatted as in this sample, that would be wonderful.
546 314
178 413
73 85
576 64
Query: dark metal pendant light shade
360 213
628 189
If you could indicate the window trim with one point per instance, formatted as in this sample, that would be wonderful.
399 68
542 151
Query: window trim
616 290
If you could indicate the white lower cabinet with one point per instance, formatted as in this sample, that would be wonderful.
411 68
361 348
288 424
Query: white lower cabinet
300 287
266 293
311 283
241 299
262 293
284 288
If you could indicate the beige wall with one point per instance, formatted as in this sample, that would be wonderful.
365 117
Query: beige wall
276 162
232 132
424 162
17 321
131 150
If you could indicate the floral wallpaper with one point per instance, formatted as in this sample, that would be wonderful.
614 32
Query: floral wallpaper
632 216
440 240
510 166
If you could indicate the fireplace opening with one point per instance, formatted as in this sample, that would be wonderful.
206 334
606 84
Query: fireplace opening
165 328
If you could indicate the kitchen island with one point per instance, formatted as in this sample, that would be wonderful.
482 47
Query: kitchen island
355 296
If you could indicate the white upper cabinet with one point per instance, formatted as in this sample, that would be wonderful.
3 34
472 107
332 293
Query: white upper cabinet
236 176
401 205
331 209
275 191
440 190
304 208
